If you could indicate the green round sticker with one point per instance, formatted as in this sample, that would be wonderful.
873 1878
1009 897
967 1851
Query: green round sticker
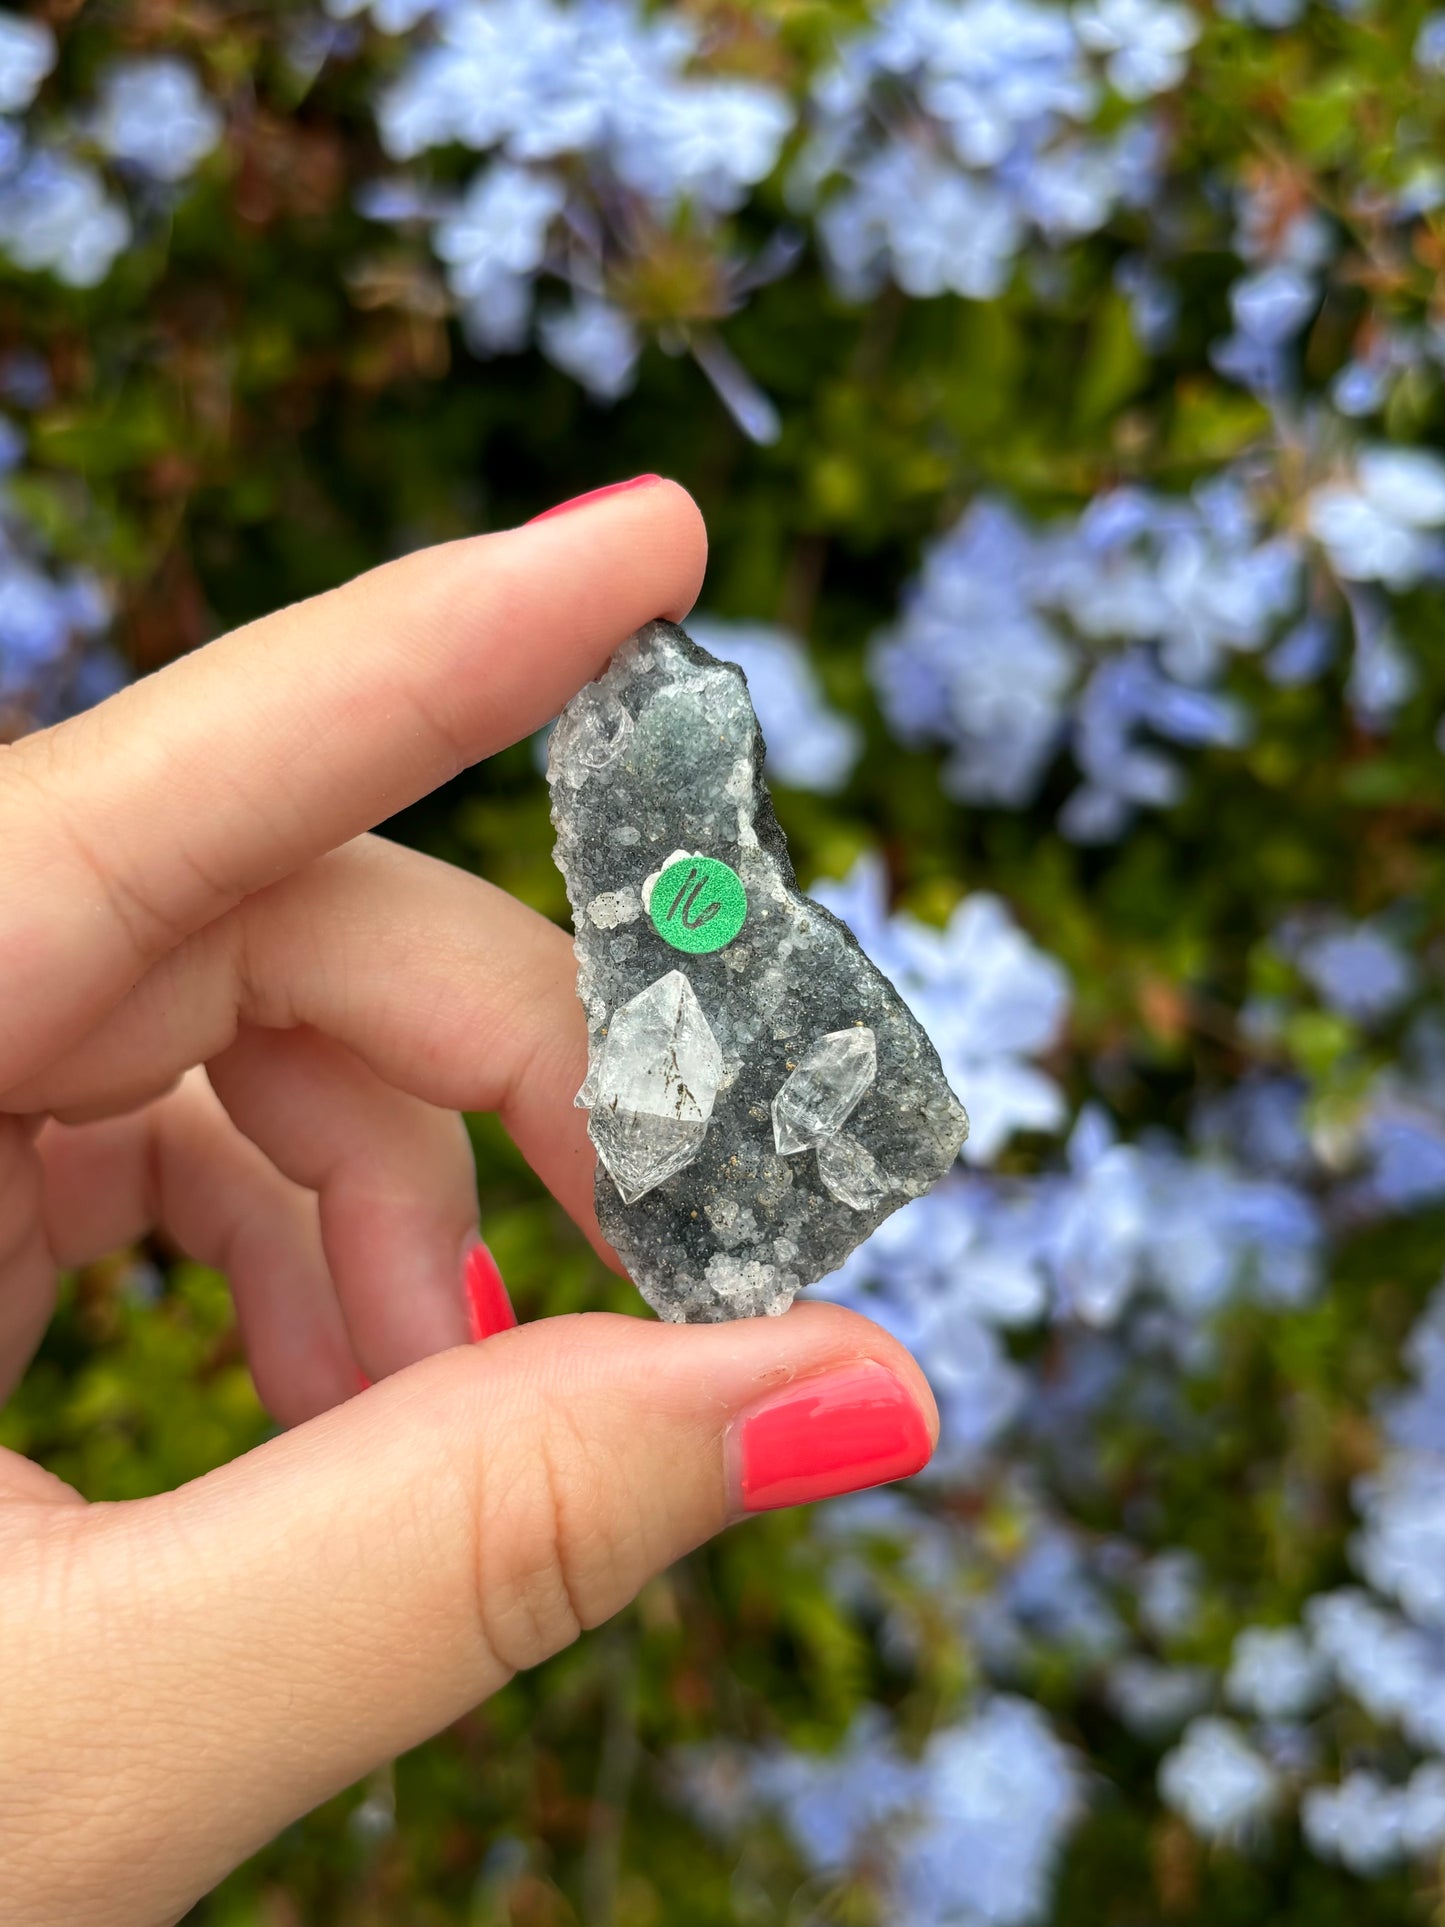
698 904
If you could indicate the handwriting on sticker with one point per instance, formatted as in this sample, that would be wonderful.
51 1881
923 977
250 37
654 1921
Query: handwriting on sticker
698 904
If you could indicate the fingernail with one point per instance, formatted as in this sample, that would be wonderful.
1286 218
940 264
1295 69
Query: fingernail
363 1383
595 495
489 1309
839 1432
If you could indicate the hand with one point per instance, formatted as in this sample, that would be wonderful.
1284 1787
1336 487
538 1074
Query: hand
185 881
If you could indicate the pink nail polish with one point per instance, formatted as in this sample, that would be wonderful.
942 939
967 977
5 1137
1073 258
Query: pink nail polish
595 495
489 1309
846 1429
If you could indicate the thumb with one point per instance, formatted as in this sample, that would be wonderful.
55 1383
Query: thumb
255 1642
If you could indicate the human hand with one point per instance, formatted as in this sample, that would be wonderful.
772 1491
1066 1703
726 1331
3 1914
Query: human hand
185 882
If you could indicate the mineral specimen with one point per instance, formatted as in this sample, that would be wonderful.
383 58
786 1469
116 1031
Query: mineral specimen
734 1026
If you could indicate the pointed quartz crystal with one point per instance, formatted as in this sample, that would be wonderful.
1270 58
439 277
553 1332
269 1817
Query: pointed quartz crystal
822 1093
851 1174
655 1082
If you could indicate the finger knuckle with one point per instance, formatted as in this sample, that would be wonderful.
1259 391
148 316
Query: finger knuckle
542 1562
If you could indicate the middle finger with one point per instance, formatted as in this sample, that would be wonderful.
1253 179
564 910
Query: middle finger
442 984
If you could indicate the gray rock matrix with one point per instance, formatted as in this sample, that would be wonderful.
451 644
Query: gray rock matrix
662 756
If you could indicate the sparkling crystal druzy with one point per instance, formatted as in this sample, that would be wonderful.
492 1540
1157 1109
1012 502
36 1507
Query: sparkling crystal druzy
760 1097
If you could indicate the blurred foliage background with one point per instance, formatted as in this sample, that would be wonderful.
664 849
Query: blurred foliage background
1061 387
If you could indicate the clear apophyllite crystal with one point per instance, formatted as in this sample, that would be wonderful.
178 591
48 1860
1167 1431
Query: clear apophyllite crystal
591 732
652 1090
824 1090
851 1174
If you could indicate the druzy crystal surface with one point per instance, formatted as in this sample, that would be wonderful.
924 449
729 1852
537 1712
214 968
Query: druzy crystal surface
757 1108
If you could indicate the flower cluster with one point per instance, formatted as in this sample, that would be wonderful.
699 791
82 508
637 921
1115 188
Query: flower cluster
953 130
57 212
50 617
964 1836
600 135
1113 633
1108 634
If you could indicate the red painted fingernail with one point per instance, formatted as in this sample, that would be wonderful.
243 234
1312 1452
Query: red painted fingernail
839 1432
595 495
489 1309
363 1383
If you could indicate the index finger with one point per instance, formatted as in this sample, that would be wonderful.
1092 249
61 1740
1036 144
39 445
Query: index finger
126 829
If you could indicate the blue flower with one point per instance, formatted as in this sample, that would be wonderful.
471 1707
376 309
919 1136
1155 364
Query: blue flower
810 746
1382 676
992 142
833 1804
593 342
1401 1547
1218 1782
973 660
154 114
1264 13
967 1834
534 82
493 244
540 81
1358 1822
1377 523
704 141
1000 1795
1370 1825
913 217
987 653
391 16
1394 1670
1304 653
1430 44
1275 1672
1153 302
1147 42
1271 305
1404 1143
44 614
1126 693
1359 970
34 629
1168 1589
500 229
55 215
27 54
